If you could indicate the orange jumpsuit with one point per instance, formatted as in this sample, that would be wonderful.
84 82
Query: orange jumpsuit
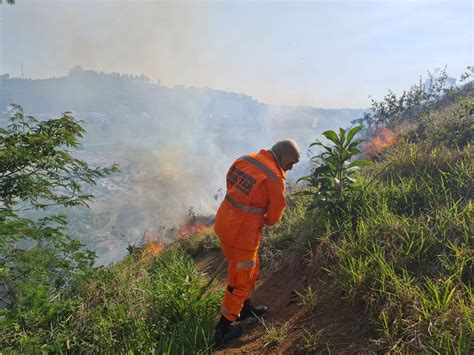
255 198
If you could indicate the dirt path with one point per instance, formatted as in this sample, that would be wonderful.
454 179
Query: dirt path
334 325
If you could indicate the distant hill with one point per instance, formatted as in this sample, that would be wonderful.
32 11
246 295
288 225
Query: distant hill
113 102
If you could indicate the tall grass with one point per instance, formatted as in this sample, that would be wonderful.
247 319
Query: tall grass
140 305
411 256
404 246
403 243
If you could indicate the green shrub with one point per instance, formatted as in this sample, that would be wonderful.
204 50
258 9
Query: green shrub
332 179
52 299
452 126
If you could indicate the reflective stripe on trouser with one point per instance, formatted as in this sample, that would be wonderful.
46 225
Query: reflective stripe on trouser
242 273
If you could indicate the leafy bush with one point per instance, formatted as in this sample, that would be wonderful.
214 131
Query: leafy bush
419 99
332 180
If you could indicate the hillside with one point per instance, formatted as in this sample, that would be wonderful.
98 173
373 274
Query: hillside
114 103
393 269
380 260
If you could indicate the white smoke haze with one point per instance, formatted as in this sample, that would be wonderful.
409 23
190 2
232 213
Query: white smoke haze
174 146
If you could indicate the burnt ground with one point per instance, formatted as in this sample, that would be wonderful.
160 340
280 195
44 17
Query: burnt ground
335 324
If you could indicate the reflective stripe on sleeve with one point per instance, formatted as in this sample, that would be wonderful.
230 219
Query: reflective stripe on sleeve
245 208
245 264
261 166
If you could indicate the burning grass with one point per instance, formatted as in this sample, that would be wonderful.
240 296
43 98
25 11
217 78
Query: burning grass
196 225
383 138
197 228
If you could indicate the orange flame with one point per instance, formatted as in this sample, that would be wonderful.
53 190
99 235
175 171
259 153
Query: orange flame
152 243
152 240
152 248
155 247
384 138
191 229
196 225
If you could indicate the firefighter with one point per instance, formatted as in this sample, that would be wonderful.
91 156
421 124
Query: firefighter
255 198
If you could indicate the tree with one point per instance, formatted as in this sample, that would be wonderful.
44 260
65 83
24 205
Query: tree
412 103
39 263
36 169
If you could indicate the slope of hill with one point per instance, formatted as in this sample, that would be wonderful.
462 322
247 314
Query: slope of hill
389 270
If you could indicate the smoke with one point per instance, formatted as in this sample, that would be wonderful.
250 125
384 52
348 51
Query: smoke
157 38
174 146
173 179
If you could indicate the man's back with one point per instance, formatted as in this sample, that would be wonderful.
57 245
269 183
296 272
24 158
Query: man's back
255 197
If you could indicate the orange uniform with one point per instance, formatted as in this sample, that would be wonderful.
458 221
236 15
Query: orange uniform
255 198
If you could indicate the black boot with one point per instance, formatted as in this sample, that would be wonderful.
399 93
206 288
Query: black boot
249 310
225 331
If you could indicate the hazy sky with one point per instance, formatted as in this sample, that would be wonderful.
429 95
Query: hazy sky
319 53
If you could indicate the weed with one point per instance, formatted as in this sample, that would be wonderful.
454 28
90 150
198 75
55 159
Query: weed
275 333
312 340
308 298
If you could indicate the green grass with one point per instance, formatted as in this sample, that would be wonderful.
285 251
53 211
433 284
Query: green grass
312 340
139 305
404 246
274 333
308 297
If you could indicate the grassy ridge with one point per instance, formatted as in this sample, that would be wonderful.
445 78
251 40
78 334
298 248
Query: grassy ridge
404 243
409 256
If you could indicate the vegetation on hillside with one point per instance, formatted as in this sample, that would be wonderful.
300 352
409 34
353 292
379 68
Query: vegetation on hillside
395 235
402 241
52 298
